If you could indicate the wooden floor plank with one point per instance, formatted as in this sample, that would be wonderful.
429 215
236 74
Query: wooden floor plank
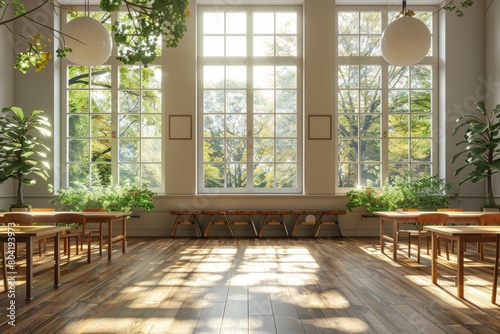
252 285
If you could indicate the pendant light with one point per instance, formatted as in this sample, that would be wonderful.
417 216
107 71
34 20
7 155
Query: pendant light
88 39
406 40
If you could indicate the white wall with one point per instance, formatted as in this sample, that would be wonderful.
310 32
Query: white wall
462 70
462 75
7 57
492 67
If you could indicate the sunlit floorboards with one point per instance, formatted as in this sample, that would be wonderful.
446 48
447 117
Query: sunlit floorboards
250 285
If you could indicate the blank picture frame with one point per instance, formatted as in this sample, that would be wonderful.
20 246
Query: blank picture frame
180 127
319 127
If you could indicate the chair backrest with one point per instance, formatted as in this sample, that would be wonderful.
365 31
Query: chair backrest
93 210
69 218
410 210
489 219
43 209
433 219
449 210
18 218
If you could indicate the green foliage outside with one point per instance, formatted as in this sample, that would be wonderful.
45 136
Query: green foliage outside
111 198
425 194
23 153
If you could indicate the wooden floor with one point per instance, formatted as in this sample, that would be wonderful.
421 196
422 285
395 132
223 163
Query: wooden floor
325 285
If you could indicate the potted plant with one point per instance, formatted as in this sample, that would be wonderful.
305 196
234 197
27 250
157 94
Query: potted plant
110 198
22 152
370 198
481 147
427 193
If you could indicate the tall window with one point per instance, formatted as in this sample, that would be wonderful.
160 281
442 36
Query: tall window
113 118
386 117
250 97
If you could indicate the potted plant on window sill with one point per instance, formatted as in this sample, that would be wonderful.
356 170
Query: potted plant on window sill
481 144
22 151
110 198
428 193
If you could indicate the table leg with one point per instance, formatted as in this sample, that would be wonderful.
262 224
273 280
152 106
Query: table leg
395 240
434 267
110 246
124 233
4 265
57 260
29 268
460 268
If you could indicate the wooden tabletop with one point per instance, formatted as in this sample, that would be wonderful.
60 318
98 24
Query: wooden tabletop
454 230
31 231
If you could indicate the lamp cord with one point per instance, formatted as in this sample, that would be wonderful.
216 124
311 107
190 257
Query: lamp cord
87 7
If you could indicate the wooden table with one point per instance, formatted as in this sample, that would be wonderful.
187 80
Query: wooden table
93 217
397 218
460 234
28 234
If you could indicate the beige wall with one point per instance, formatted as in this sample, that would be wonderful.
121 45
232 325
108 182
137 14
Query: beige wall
463 47
6 88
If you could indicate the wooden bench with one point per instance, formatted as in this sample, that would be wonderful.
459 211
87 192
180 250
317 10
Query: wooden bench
271 217
183 218
320 218
216 217
249 221
272 214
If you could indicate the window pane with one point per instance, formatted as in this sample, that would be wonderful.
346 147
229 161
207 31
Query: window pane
250 104
373 95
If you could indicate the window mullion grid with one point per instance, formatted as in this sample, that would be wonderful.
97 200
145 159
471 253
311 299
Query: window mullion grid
114 124
250 98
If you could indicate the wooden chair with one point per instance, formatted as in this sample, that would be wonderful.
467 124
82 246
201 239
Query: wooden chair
44 240
425 219
451 210
487 219
78 235
21 219
93 231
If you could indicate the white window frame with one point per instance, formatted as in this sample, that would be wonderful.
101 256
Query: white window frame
114 64
249 61
431 60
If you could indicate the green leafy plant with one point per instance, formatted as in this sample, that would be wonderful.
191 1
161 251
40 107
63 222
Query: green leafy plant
372 199
481 146
113 198
22 152
426 193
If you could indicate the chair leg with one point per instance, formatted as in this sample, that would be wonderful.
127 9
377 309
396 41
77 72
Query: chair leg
418 248
4 265
409 244
89 249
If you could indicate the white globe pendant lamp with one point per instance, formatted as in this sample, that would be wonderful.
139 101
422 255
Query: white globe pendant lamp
89 41
406 41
